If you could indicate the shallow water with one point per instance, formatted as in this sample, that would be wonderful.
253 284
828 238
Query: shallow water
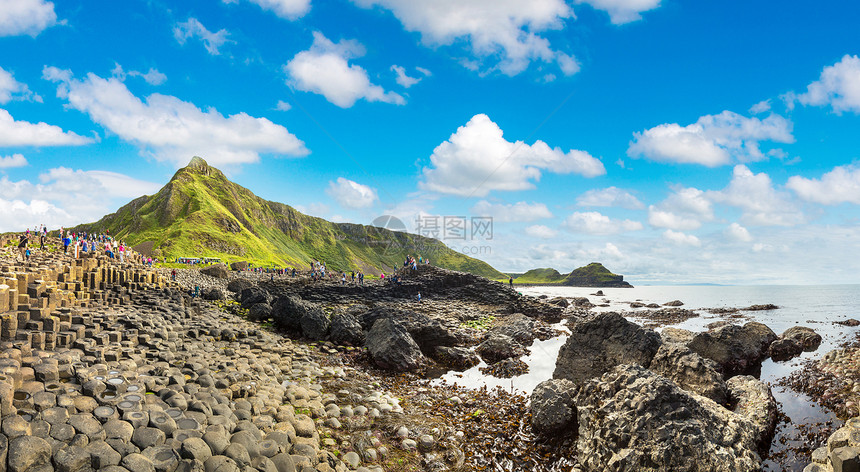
814 306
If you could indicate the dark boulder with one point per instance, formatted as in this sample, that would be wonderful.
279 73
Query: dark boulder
559 301
784 349
806 337
239 265
632 419
523 329
598 344
498 347
237 285
736 349
345 329
690 371
253 295
552 407
219 271
392 348
260 312
457 358
296 314
429 333
674 303
213 293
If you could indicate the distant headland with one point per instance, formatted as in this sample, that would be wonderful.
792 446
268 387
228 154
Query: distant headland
591 275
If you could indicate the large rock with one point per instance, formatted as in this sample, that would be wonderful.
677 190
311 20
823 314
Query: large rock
239 265
213 293
677 335
598 344
690 371
429 333
259 312
552 407
784 349
498 347
754 400
29 454
632 419
523 329
219 271
345 329
457 358
808 339
735 349
253 295
296 314
237 285
392 348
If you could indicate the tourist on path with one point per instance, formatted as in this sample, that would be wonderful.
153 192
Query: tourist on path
22 244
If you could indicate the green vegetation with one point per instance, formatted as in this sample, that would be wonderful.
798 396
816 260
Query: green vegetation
200 213
481 324
592 275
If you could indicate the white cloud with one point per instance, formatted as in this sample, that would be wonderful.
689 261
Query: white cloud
520 211
713 140
23 133
194 29
592 222
838 86
65 197
681 238
738 233
477 159
608 252
541 231
170 129
762 205
15 160
153 77
542 252
283 106
11 89
324 69
622 11
667 219
287 9
840 185
684 209
610 197
350 194
507 32
25 17
402 79
760 107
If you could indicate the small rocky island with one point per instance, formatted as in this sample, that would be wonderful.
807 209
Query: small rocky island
591 275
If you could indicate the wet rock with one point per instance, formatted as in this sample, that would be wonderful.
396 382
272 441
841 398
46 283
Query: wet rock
506 368
670 428
735 349
392 348
784 349
498 347
850 322
690 371
552 407
219 271
674 303
806 337
598 344
676 335
754 400
523 329
459 358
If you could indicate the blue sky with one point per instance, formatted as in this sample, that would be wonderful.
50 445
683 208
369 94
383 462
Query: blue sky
673 141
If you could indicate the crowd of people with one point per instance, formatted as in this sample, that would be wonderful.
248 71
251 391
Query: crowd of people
81 245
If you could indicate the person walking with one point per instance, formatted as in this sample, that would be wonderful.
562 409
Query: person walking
22 244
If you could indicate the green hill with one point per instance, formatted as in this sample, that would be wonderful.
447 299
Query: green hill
200 213
592 275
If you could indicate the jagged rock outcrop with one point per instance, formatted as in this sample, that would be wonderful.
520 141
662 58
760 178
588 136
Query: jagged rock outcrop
498 347
690 371
298 315
632 419
808 339
736 349
345 329
598 344
754 400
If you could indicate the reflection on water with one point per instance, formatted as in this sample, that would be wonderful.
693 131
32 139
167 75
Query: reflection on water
814 306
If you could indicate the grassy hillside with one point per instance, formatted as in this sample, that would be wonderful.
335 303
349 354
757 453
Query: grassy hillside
540 276
592 275
200 213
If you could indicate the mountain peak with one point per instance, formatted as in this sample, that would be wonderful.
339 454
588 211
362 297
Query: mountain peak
197 162
197 166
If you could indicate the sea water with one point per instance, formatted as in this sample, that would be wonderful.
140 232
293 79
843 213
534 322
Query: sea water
816 307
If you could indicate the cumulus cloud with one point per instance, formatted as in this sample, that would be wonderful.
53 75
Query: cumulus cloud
507 32
738 233
838 86
477 159
680 238
609 251
23 133
192 29
11 89
29 17
761 203
610 197
840 185
403 79
622 11
350 194
64 197
287 9
713 140
684 209
170 129
593 222
15 160
325 69
760 107
541 231
667 219
504 213
283 106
